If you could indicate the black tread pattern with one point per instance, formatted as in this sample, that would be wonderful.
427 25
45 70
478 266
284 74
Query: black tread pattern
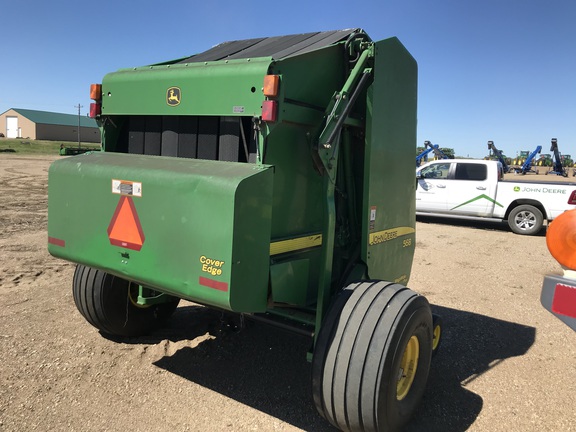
354 354
103 301
83 297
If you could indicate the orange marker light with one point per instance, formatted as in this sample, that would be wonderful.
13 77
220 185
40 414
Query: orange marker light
561 239
96 92
271 84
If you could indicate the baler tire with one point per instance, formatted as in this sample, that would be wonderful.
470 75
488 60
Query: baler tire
105 302
382 330
526 214
323 345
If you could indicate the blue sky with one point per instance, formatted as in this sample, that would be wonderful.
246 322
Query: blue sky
501 70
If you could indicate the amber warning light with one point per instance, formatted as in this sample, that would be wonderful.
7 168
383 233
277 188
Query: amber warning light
270 88
96 96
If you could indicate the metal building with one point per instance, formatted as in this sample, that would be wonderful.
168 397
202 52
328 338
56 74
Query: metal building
44 125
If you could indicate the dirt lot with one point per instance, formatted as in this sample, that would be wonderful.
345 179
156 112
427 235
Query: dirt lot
505 364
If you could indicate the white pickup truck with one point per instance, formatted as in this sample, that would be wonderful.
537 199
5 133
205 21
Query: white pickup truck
472 189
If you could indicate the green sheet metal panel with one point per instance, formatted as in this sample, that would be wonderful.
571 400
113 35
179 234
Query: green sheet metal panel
213 88
307 83
194 228
389 181
289 281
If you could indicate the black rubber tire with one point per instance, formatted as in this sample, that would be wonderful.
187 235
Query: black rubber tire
437 332
525 219
104 300
357 357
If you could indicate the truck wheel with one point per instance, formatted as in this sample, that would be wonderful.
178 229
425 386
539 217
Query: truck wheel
372 357
109 304
525 219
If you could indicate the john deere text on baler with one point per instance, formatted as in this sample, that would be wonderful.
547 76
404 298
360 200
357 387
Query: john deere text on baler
271 177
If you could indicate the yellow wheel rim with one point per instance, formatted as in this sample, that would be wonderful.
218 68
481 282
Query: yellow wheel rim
436 337
408 367
133 293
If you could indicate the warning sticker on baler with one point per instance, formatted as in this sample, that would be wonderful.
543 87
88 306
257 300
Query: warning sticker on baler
128 188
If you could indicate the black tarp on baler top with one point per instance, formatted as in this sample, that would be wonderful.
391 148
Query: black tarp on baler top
277 47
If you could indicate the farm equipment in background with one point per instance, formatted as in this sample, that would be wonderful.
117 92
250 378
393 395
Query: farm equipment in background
545 160
494 152
269 178
521 158
447 153
440 152
430 148
73 151
557 167
567 161
526 166
424 152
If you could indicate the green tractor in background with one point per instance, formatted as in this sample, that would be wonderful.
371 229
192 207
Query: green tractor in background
544 160
521 158
567 161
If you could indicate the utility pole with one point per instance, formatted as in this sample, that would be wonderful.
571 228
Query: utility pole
78 106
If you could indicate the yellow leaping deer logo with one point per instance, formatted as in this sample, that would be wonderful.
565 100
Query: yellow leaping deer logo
173 96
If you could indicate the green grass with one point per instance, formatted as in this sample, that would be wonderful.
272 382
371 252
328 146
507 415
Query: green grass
38 147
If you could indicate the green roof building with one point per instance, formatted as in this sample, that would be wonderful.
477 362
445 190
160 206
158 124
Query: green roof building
44 125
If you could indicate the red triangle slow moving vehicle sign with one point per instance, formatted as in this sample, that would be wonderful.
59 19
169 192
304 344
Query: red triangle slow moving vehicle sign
125 229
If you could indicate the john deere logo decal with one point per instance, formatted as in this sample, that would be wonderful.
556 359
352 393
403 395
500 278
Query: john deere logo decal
516 188
173 96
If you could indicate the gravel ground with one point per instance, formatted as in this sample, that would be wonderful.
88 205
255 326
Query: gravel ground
505 363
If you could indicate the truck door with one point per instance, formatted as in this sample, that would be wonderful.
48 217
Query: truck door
471 192
432 187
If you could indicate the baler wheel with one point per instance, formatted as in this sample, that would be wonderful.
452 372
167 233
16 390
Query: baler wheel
107 302
372 357
437 329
